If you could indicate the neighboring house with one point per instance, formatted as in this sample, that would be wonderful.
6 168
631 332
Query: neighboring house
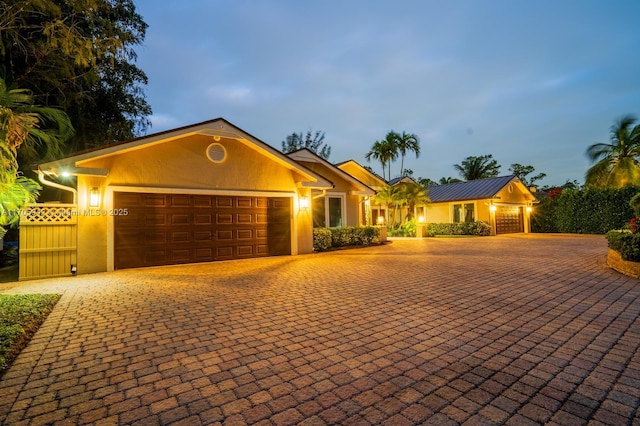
372 211
345 204
503 202
204 192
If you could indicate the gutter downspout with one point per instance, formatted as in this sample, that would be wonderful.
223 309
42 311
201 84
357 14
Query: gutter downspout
57 186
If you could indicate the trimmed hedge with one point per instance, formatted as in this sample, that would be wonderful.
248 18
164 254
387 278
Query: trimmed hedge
625 243
588 211
326 238
462 228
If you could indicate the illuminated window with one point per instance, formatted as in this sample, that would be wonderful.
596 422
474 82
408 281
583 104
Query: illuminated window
328 212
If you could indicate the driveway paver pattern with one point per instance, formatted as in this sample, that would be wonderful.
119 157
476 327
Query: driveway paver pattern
521 329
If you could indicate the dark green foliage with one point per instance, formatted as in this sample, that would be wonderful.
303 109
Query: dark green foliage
20 317
625 243
463 228
589 211
406 229
481 167
634 203
325 238
321 239
312 141
79 55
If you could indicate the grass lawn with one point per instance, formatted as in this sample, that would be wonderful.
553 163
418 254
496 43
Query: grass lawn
20 317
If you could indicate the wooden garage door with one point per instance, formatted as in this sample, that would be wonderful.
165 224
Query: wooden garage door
166 229
509 220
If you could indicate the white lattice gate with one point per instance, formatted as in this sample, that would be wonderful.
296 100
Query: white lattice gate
48 241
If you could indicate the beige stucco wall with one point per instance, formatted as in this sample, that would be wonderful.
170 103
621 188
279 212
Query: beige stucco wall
361 174
341 187
182 166
438 213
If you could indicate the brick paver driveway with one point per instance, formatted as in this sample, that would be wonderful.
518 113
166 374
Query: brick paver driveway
512 329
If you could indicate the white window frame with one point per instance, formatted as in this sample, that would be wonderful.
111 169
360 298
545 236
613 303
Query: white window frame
343 209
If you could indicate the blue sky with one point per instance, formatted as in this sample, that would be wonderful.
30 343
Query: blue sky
530 82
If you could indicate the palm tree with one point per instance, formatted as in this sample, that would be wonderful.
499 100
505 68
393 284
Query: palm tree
29 131
445 180
406 142
384 151
388 197
481 167
411 194
35 132
616 162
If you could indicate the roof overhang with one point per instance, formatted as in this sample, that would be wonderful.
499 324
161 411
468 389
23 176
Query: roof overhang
217 129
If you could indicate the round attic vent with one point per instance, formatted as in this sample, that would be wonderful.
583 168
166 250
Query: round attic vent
216 153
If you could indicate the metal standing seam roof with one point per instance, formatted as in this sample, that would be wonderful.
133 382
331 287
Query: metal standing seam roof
471 190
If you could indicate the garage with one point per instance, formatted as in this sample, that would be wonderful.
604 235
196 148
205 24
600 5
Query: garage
509 220
165 229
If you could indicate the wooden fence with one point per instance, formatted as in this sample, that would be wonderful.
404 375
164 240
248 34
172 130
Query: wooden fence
48 241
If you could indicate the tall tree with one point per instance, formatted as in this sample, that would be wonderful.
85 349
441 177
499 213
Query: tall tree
616 163
523 171
481 167
312 141
445 180
79 55
384 151
406 142
24 127
410 194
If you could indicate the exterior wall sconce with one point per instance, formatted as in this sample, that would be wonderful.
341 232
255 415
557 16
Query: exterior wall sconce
380 220
421 219
529 208
492 208
303 203
94 197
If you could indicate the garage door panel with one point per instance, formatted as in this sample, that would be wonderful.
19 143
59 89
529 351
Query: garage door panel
224 202
180 200
154 219
154 200
224 219
509 220
243 218
180 256
181 237
244 202
203 219
165 229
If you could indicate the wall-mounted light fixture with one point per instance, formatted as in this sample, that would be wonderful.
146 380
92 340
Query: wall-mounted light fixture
492 208
94 197
529 209
380 220
303 203
421 219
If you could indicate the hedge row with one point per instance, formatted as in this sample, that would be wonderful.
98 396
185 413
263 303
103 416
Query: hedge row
326 238
463 228
625 243
588 211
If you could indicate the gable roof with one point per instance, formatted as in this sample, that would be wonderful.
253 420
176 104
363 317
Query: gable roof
305 154
372 175
471 190
218 127
400 179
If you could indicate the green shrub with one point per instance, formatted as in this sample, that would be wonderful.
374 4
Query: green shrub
321 239
326 238
634 203
588 211
463 228
406 229
625 243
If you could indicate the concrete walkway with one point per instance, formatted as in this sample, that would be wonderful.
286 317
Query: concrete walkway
497 330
